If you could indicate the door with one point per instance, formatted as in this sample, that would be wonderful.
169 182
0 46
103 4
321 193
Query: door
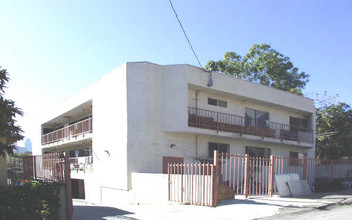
167 160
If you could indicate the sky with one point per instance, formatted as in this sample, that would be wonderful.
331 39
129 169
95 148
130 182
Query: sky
53 49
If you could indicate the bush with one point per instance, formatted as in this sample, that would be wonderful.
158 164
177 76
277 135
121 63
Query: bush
30 199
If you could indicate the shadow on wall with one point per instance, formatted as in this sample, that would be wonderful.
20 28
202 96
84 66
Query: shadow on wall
98 212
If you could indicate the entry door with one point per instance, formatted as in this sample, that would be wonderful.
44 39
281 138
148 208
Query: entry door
167 160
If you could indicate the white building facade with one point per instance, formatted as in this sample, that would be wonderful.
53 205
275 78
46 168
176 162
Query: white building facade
141 116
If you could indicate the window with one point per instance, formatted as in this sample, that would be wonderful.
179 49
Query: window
298 124
80 152
296 158
217 102
256 118
258 152
222 148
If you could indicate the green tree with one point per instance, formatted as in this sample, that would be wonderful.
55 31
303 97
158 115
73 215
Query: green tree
10 132
334 131
264 65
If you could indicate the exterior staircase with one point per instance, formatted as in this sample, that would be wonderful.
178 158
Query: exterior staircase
225 192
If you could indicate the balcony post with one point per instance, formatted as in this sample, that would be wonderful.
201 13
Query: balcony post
217 122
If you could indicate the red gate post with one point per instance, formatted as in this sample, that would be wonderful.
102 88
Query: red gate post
246 172
271 176
304 168
69 204
215 179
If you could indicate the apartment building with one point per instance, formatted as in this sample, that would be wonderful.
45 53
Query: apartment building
142 116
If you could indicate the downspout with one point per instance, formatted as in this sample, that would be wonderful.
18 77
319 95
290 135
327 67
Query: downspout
197 93
210 81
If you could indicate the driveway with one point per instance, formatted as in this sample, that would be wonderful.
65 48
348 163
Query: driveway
239 208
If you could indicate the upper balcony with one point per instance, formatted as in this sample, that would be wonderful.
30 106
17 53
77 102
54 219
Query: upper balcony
218 121
68 133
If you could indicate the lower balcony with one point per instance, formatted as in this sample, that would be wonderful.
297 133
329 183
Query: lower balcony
82 164
206 119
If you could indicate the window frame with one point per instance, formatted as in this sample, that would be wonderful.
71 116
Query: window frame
264 123
217 102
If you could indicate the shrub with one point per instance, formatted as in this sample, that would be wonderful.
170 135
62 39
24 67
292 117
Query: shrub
30 199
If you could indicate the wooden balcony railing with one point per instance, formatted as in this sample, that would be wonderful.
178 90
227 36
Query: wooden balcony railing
71 131
202 118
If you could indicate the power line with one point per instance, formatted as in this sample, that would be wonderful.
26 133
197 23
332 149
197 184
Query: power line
184 32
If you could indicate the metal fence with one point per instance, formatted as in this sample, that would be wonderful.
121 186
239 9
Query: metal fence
191 183
19 168
333 169
50 166
255 175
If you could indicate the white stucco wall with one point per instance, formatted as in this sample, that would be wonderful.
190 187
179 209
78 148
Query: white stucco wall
109 143
248 90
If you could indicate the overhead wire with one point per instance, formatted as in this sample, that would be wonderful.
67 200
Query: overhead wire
185 34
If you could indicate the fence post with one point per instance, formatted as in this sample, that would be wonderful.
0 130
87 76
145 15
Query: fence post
246 172
271 176
217 122
69 204
169 181
215 179
34 167
305 168
181 165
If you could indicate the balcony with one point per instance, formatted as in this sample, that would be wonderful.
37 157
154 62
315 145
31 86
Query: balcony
201 118
68 132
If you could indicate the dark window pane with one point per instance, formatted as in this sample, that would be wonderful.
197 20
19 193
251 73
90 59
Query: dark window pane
298 123
222 148
222 104
258 152
256 118
212 101
212 147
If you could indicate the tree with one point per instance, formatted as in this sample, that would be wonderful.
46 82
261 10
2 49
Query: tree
334 131
10 132
264 65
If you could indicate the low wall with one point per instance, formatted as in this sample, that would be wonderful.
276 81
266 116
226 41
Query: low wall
150 188
63 202
114 197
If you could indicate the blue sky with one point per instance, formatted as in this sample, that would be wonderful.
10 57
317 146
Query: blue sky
52 49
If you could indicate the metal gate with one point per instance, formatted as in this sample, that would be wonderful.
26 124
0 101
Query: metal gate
251 176
192 183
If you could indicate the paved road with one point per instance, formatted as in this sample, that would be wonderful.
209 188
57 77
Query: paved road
343 212
313 206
